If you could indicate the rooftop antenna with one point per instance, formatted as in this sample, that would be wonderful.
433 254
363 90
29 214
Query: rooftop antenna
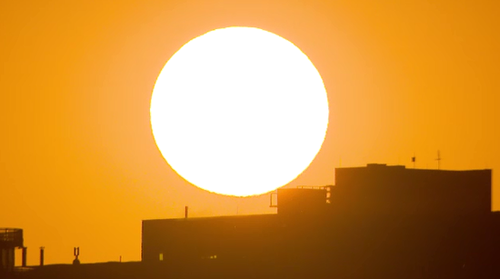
439 160
76 253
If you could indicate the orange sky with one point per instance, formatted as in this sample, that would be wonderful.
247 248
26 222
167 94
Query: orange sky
78 162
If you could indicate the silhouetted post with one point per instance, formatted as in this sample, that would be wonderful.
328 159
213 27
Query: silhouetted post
25 252
42 250
76 253
185 212
8 258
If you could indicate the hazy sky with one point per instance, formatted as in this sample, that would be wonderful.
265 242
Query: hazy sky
78 162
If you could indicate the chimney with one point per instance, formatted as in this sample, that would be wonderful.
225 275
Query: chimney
41 255
25 254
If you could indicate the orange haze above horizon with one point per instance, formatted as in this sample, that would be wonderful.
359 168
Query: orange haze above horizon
79 166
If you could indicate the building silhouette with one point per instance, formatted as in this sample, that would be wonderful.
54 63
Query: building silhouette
10 239
376 222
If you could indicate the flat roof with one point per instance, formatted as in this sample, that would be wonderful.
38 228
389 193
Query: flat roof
222 217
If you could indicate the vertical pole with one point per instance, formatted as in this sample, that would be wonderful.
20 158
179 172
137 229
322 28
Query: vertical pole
25 254
42 255
10 259
186 211
2 260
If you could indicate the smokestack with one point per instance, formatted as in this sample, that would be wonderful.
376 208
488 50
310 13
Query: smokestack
186 211
25 254
41 255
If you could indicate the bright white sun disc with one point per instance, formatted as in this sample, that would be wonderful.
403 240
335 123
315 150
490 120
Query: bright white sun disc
239 111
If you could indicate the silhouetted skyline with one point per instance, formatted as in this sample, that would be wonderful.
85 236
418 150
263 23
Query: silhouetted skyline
376 221
79 165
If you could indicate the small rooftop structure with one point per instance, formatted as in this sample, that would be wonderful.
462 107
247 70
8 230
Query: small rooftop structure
10 239
382 189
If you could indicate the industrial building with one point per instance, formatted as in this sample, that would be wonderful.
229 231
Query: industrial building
376 221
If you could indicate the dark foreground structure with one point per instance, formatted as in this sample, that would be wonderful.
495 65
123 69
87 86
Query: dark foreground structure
376 222
10 239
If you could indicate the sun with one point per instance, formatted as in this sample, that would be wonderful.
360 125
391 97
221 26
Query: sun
239 111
